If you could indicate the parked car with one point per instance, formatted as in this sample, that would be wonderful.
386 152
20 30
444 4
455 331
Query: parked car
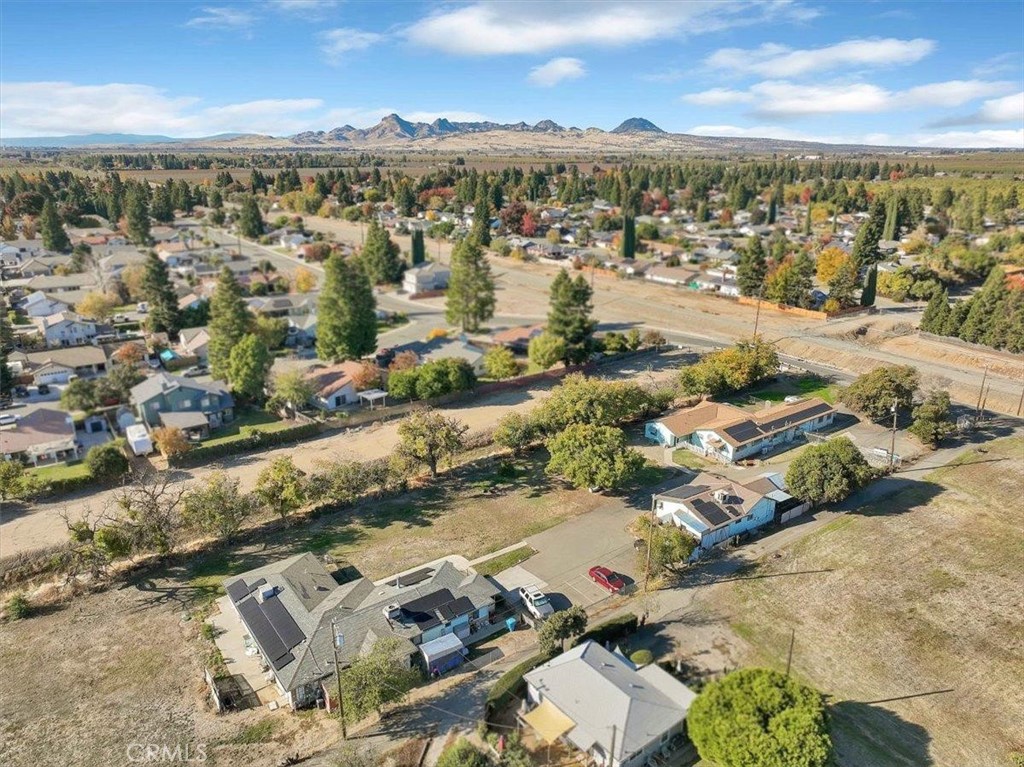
20 391
155 364
195 371
536 602
8 418
142 307
606 579
120 318
43 389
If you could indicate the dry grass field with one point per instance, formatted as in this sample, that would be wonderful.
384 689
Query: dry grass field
908 615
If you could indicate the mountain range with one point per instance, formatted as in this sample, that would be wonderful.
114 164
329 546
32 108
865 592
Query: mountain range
393 132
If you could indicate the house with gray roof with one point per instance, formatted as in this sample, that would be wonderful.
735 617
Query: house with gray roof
192 406
600 703
294 609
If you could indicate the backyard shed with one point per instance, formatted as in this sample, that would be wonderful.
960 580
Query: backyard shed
443 654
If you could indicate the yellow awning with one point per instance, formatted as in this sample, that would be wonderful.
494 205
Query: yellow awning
548 722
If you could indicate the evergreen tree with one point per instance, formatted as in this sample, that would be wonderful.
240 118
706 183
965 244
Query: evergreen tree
137 216
702 214
957 314
752 268
51 229
162 208
867 296
161 297
803 279
569 316
470 298
229 322
985 307
248 366
8 230
843 284
936 314
346 313
807 221
628 237
380 257
773 211
419 249
865 245
6 374
250 220
481 230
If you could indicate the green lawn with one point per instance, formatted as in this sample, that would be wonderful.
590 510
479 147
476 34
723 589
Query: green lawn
504 561
61 471
806 386
246 424
686 457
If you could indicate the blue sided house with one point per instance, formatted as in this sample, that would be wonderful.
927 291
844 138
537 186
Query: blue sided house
714 509
727 434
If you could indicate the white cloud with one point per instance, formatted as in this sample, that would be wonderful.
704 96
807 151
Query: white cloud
1008 109
772 60
781 99
303 5
60 108
1004 63
555 71
995 139
221 18
335 43
486 28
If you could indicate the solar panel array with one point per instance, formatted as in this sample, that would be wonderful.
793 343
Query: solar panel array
417 576
745 431
273 628
710 511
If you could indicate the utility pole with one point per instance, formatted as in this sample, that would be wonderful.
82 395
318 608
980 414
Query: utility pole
892 442
789 659
757 315
980 392
650 545
336 641
1020 404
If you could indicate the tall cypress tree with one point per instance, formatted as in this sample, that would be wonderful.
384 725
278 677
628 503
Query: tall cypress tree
569 316
865 245
250 220
985 307
419 249
481 230
470 298
867 295
51 229
380 257
807 221
752 268
159 294
229 322
628 237
6 375
346 314
936 314
137 216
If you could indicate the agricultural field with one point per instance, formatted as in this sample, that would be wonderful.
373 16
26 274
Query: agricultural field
907 615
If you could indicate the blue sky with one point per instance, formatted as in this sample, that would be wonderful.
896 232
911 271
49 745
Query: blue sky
929 74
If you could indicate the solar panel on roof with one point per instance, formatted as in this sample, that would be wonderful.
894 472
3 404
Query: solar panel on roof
257 584
451 610
743 431
417 576
710 512
283 622
262 631
283 661
237 590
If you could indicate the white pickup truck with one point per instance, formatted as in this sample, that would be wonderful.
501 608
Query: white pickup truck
536 602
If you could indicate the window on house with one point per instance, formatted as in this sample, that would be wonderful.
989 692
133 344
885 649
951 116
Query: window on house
186 403
205 402
155 406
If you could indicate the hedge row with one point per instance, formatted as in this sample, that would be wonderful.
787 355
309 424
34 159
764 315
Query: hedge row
611 630
257 440
511 684
69 484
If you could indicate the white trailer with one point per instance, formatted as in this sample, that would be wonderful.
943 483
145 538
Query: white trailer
138 439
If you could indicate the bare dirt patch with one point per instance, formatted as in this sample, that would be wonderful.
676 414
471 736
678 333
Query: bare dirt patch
915 629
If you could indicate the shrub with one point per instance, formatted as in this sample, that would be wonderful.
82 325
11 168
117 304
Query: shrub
642 658
107 463
510 684
462 753
257 440
18 607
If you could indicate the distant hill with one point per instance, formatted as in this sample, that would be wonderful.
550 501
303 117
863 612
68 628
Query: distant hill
394 132
637 125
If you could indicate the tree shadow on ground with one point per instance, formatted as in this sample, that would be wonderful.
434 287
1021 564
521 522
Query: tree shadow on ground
891 495
864 733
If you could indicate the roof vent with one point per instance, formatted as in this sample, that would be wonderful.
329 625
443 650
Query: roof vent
265 593
392 611
722 495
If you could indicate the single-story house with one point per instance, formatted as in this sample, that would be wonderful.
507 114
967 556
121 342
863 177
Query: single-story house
727 433
334 386
714 509
426 278
37 304
717 284
671 275
42 437
62 283
294 609
55 366
443 348
518 338
599 702
163 393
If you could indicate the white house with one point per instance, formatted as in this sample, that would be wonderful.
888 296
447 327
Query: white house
37 304
66 329
334 386
426 278
727 433
714 509
598 702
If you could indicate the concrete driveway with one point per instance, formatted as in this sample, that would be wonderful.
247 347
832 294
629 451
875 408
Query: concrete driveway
566 552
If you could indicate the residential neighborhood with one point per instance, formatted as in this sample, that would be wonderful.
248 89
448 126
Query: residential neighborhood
526 434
